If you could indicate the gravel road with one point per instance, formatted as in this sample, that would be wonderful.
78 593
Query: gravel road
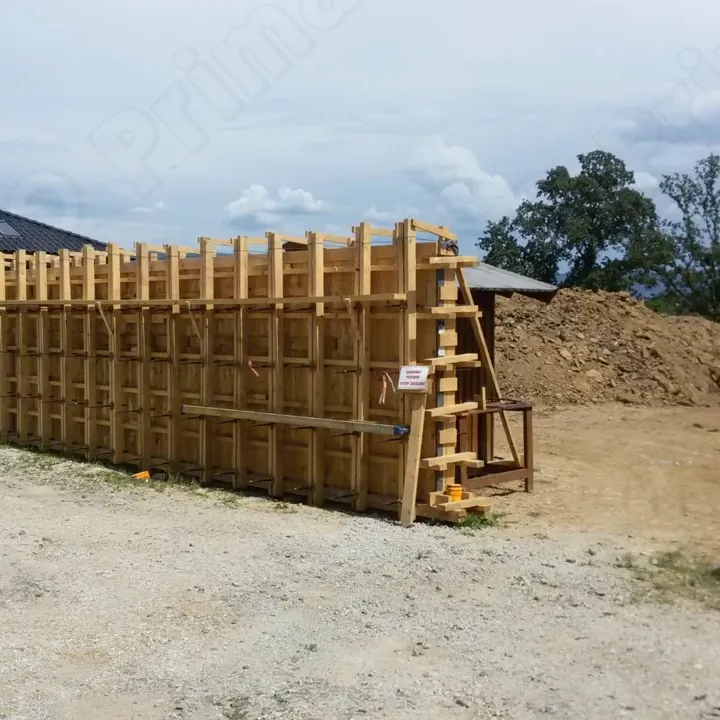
124 603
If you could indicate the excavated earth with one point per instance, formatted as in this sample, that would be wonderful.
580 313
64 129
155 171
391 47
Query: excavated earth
588 347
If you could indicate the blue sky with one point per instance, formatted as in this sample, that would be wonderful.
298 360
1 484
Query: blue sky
165 121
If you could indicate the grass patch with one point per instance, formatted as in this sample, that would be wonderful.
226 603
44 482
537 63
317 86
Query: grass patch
477 521
674 574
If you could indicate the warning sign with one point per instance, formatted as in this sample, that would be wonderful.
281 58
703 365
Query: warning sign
413 377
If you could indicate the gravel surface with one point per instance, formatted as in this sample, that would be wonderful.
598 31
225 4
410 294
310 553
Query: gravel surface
125 603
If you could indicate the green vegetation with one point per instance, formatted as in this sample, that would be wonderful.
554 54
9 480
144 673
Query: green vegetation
609 236
674 574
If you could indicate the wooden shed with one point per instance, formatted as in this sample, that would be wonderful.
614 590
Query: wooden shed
477 430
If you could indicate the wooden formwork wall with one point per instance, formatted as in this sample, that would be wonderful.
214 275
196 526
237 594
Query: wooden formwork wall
100 350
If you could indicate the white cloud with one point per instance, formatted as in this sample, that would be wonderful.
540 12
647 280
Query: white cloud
453 172
387 216
645 181
258 205
145 210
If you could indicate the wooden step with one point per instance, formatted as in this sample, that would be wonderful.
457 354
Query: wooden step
450 360
450 410
441 462
446 310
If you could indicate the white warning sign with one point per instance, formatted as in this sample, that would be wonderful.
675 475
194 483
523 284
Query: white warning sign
413 377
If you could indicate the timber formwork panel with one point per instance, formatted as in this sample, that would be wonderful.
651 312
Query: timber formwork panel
101 351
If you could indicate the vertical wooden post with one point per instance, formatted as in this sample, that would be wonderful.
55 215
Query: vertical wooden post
406 241
65 378
207 292
90 369
42 361
316 446
4 370
172 290
528 450
363 240
417 401
240 429
144 435
447 342
277 361
21 370
117 430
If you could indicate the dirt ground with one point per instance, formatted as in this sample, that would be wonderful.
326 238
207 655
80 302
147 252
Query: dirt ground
653 473
123 603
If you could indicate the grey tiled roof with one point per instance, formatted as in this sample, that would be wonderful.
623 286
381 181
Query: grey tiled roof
34 236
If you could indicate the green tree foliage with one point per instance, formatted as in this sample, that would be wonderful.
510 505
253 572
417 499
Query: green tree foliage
689 279
595 222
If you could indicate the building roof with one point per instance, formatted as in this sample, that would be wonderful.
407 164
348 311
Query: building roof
21 233
493 279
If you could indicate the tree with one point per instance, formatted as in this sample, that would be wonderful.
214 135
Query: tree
595 222
689 280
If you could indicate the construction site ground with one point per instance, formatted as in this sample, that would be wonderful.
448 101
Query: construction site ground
128 602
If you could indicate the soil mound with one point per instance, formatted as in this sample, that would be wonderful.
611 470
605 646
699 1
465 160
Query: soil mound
586 347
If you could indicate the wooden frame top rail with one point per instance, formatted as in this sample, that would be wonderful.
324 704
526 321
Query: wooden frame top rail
376 299
363 426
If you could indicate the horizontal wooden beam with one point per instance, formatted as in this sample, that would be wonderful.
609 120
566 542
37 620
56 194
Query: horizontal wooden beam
363 426
376 299
433 229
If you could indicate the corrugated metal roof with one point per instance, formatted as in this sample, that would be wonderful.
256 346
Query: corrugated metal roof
489 277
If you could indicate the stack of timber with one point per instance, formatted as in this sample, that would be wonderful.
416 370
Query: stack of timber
248 362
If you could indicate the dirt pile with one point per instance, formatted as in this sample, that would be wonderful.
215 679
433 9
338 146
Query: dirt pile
597 346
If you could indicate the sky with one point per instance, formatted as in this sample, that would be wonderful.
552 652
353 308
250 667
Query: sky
162 122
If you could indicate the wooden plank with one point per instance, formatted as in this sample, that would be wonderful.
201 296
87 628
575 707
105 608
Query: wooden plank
496 478
276 374
65 379
474 503
412 462
172 292
143 421
117 432
450 360
316 446
240 290
297 420
90 365
528 461
390 299
41 362
443 461
454 310
433 229
21 367
207 290
361 387
448 410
